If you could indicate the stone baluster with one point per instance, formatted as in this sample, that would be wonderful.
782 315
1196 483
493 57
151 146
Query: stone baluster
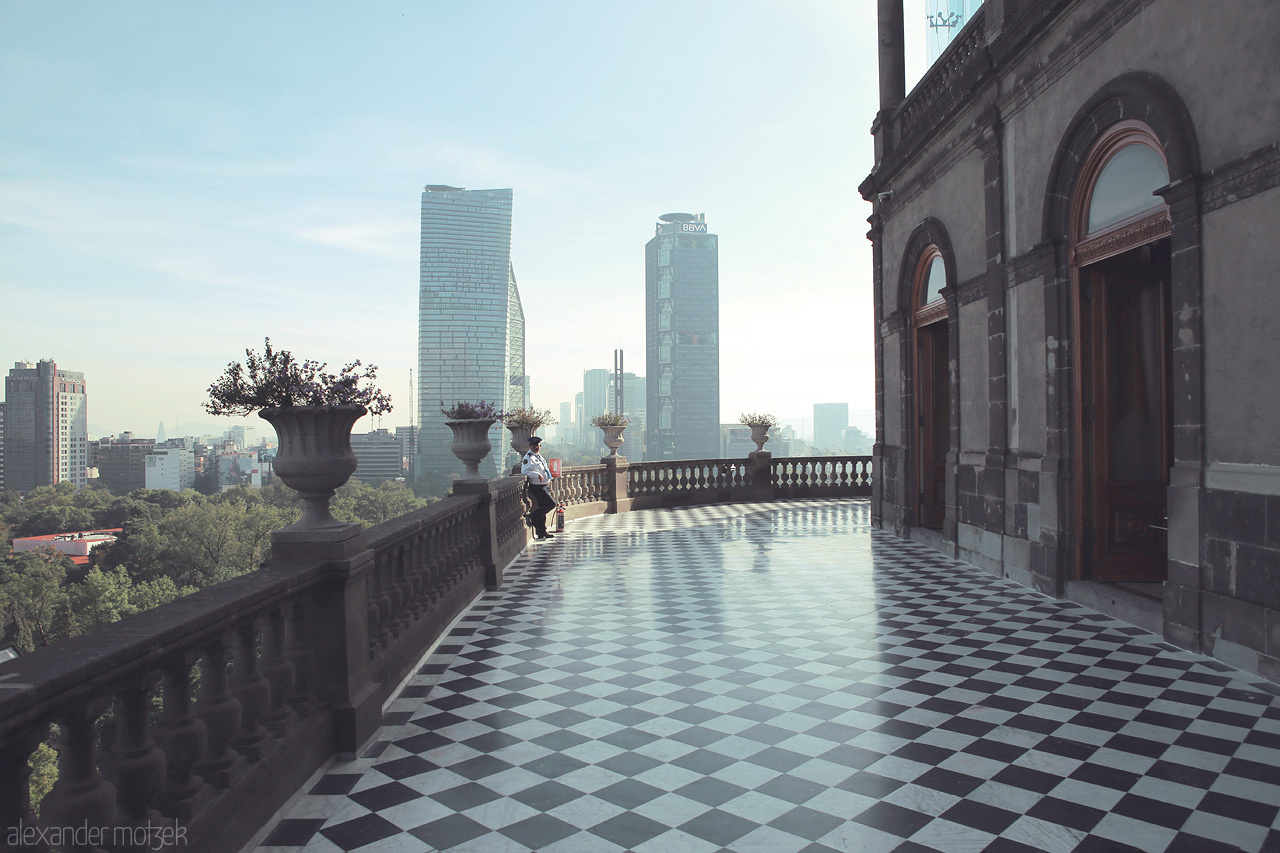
81 797
434 566
140 764
301 652
253 692
220 766
456 552
384 568
15 782
400 577
379 622
279 718
182 736
415 570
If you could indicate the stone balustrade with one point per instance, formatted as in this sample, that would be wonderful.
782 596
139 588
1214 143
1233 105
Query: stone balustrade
192 723
189 725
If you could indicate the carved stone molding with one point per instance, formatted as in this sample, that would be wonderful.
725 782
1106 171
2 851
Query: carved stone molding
1123 239
931 313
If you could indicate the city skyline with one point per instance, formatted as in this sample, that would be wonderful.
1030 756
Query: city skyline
221 183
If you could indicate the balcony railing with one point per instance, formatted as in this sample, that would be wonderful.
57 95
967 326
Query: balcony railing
191 724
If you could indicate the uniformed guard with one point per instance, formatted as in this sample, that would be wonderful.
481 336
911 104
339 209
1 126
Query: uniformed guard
539 473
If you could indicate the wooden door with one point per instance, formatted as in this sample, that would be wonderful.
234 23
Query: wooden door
1125 421
933 422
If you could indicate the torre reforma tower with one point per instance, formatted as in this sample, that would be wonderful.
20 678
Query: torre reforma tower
470 321
682 335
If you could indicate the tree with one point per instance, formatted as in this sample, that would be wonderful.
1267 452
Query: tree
361 503
33 600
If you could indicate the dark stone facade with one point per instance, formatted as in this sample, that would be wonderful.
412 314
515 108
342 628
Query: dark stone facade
987 160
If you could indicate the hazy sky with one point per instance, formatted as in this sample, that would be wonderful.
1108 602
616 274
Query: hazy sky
179 180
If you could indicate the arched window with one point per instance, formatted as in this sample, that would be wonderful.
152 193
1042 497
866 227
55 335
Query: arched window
1118 208
930 278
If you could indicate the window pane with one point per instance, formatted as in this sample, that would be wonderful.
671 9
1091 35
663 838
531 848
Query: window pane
1125 187
937 280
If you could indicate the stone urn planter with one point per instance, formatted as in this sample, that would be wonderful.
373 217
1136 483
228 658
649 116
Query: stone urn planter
471 442
613 438
519 443
759 434
314 456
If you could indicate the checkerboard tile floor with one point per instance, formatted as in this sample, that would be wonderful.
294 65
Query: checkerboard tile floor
780 677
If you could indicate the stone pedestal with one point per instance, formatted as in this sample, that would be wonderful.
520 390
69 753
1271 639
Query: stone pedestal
338 626
488 532
758 462
616 495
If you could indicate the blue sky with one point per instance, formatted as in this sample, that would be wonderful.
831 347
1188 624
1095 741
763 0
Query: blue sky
178 181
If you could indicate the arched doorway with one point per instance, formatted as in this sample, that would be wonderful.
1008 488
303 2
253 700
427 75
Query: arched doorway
933 387
1120 265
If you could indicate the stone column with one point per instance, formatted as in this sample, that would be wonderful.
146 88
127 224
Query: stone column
893 74
893 69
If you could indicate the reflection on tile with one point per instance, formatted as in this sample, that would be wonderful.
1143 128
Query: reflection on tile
780 677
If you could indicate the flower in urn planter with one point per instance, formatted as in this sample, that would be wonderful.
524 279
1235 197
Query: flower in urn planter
760 423
312 412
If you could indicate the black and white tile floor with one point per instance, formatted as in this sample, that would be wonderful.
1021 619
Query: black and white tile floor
779 677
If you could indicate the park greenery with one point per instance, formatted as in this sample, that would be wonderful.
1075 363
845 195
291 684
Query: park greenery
171 544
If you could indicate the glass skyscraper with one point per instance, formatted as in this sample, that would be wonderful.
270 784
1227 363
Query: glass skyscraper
470 322
682 335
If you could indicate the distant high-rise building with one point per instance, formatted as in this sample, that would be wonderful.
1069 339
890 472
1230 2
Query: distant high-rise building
2 447
634 406
243 436
46 426
580 419
408 438
378 456
470 320
171 465
563 429
682 334
596 399
830 420
122 461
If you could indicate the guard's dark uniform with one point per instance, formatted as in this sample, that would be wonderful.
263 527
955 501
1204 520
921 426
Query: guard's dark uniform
539 473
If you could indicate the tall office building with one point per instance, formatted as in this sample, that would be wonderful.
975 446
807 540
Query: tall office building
596 399
830 420
2 486
378 456
564 430
682 333
121 461
634 401
470 321
46 426
171 465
